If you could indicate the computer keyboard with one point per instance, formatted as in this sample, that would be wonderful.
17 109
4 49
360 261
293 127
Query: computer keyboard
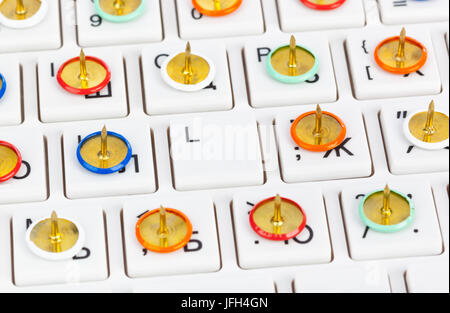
214 154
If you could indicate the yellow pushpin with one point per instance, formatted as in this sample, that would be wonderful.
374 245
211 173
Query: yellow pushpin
163 230
22 13
427 129
55 238
188 72
386 210
216 8
401 54
119 11
277 218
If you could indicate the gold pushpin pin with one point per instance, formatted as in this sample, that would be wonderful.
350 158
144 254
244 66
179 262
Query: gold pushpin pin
22 13
318 130
428 129
277 218
386 210
401 54
187 71
216 8
55 238
163 230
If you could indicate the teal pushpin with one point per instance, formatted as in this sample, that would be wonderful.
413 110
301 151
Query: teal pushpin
387 211
119 11
292 64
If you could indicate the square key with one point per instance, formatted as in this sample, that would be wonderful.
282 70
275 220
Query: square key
90 264
43 36
30 182
350 159
214 152
422 237
160 98
265 91
403 156
246 20
136 178
311 246
410 11
10 103
58 105
370 81
95 31
295 16
428 277
200 255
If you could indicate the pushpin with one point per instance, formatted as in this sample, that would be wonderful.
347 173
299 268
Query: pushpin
119 11
216 7
292 64
386 210
188 72
2 86
55 238
427 130
163 230
323 4
318 130
277 219
22 13
104 152
10 161
401 54
84 75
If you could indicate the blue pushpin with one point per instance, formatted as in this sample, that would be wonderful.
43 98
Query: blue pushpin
104 152
119 11
2 86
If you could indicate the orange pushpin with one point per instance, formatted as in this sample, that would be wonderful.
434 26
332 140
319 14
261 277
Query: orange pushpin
401 54
216 8
163 230
318 131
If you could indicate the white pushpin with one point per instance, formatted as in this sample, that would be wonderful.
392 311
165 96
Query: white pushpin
22 13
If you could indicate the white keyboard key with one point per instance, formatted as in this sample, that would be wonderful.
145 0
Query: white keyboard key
265 91
424 231
43 36
342 280
247 20
215 152
310 247
163 99
138 177
200 255
428 277
10 103
95 31
413 11
405 158
372 82
350 159
228 283
295 16
30 183
90 264
58 105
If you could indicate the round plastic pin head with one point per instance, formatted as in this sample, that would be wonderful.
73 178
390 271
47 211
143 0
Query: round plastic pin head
386 211
216 7
84 75
188 72
164 230
10 161
323 4
2 86
55 238
401 54
119 11
318 131
277 219
22 13
292 64
427 129
104 152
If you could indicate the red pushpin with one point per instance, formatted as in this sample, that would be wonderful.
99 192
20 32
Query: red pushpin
323 5
10 161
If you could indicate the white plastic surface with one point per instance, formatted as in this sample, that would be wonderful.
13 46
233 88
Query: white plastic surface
413 11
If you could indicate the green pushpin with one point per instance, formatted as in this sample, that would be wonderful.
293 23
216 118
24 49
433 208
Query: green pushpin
119 11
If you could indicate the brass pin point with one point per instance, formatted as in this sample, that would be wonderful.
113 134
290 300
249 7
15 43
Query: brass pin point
83 71
217 5
163 230
277 219
292 56
429 128
119 6
104 145
55 235
400 57
187 71
20 8
386 210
